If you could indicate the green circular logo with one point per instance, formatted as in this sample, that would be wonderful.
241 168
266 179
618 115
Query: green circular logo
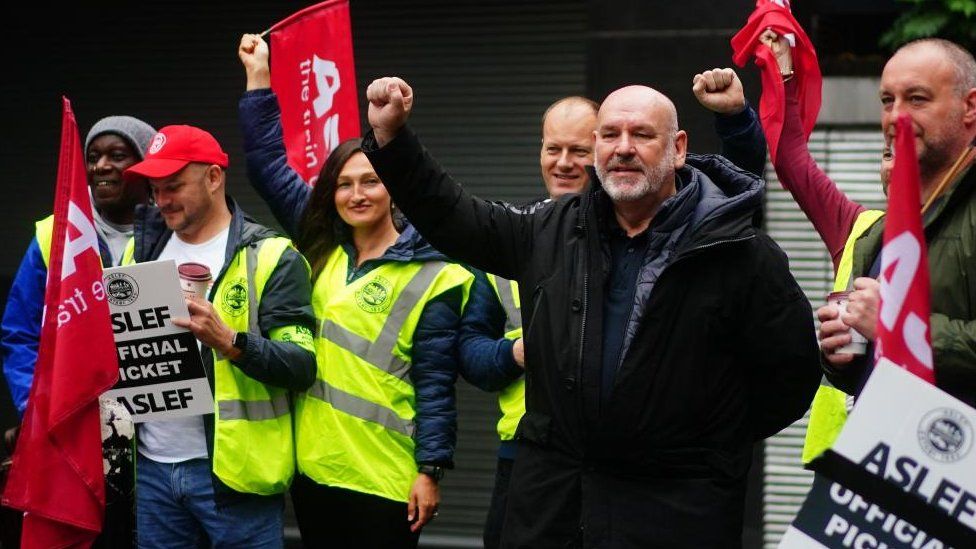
235 298
374 297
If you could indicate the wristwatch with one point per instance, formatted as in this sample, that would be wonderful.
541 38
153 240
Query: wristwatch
435 472
240 341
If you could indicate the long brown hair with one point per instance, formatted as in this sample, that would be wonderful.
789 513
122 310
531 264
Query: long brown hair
321 229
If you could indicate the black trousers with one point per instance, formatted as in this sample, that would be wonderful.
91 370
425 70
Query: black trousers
339 518
499 500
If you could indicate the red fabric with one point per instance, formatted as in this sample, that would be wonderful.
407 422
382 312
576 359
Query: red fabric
770 15
57 475
314 77
903 334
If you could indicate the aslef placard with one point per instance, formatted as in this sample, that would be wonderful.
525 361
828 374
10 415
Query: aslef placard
161 373
901 474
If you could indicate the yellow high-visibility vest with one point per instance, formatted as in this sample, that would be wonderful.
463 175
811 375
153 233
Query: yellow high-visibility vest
511 399
44 232
254 446
355 425
828 413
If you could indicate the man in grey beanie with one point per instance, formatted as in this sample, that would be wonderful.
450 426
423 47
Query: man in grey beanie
112 145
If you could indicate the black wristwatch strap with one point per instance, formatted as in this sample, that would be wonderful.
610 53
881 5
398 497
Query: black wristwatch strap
240 340
433 471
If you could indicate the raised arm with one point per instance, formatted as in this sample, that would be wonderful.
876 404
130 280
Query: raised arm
489 236
280 186
743 143
825 205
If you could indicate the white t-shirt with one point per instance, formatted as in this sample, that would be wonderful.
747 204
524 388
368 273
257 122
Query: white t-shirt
182 439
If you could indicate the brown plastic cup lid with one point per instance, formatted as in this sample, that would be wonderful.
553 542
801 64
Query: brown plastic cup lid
838 295
194 271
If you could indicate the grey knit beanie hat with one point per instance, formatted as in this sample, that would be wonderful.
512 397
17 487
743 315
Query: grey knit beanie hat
133 130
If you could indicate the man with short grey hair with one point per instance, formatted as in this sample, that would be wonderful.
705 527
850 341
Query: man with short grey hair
934 82
665 331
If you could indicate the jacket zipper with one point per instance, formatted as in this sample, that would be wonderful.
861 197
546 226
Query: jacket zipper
586 302
712 244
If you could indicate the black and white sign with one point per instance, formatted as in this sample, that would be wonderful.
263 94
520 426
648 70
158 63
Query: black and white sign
161 374
901 474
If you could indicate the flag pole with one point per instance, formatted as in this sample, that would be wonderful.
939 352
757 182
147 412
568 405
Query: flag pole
960 163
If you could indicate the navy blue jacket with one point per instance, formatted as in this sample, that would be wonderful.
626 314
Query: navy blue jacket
435 357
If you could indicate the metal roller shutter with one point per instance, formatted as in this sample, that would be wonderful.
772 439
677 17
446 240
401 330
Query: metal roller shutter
483 73
850 156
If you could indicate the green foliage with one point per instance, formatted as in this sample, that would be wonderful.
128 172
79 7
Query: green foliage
950 19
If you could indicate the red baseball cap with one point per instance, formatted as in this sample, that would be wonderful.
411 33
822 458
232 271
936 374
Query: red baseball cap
173 147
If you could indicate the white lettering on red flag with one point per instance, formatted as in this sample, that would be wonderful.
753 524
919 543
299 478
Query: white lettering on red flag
903 332
57 475
313 74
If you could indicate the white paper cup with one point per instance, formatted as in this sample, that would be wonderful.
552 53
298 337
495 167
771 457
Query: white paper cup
195 280
859 343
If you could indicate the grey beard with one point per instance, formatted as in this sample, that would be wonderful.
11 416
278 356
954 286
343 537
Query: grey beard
653 180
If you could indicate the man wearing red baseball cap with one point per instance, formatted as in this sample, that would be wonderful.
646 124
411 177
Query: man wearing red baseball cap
255 333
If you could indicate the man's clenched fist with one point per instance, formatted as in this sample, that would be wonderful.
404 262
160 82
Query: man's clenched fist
390 100
719 90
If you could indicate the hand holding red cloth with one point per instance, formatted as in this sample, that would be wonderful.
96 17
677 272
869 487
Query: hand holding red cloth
772 105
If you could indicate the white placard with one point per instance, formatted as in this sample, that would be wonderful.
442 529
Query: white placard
161 373
916 438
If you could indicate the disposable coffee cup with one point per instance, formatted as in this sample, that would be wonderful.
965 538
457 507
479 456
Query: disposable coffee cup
195 280
859 343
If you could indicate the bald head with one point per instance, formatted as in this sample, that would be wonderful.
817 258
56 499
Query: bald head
636 99
572 107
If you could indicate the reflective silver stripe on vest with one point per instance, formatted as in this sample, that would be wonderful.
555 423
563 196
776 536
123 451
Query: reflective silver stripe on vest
513 315
379 353
251 256
253 410
360 407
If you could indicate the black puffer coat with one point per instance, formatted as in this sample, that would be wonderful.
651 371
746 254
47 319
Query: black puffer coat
721 353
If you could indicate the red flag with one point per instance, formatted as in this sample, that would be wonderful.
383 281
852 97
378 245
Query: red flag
57 476
776 15
314 77
904 336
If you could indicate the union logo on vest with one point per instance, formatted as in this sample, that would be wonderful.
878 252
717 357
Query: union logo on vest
235 298
374 297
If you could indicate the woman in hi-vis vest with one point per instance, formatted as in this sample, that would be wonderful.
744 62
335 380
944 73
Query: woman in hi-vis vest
378 427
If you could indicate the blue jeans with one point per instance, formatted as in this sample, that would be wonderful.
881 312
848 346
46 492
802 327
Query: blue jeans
175 508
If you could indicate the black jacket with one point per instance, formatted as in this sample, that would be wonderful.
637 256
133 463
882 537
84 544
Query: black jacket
721 353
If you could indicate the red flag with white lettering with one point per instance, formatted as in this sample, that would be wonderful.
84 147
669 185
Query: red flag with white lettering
57 476
903 333
314 77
